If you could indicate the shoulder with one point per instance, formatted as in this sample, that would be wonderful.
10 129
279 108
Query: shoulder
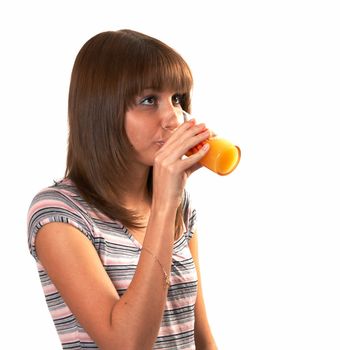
189 214
58 203
61 195
186 201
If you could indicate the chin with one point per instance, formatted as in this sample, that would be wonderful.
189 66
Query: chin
147 159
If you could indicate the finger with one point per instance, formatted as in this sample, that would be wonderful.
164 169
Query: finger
181 142
185 130
190 164
182 146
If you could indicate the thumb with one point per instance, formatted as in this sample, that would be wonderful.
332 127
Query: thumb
198 155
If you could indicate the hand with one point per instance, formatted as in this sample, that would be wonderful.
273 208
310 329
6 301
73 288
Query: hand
171 169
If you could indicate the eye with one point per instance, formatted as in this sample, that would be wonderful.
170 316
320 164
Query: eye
177 99
148 100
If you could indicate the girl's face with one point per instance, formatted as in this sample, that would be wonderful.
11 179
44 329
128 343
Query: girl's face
151 120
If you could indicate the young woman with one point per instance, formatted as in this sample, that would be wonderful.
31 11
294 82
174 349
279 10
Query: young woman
115 240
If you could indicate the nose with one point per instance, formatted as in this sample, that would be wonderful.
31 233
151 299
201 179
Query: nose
172 119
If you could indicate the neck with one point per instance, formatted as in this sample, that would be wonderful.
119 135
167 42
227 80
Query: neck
137 196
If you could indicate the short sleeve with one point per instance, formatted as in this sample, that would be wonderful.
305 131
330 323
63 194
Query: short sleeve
52 205
189 215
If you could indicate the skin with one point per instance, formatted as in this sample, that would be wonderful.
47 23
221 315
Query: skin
133 320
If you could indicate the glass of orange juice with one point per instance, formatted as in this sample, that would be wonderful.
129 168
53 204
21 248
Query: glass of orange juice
223 156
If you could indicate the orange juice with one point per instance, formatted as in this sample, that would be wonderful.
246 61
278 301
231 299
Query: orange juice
222 157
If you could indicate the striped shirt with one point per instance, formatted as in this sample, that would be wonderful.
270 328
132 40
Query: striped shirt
119 252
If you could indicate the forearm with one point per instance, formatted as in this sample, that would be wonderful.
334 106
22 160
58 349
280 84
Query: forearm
136 317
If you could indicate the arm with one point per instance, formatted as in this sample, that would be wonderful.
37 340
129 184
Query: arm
131 321
203 336
128 322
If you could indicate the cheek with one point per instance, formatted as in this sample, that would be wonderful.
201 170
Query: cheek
137 132
130 129
136 138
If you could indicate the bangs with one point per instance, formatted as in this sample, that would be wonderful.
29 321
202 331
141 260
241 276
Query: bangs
163 72
158 68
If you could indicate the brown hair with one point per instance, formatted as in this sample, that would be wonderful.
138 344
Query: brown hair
110 70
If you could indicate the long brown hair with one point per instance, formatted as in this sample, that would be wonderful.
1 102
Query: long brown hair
110 70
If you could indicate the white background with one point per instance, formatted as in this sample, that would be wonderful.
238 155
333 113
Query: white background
267 76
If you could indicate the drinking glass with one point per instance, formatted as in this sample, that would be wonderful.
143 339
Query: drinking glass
223 156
